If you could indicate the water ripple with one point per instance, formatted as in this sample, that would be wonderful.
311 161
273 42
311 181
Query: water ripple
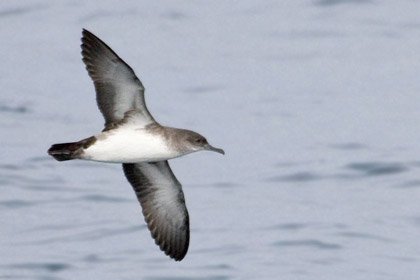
225 250
14 109
377 168
18 11
295 177
203 89
313 243
175 15
16 203
49 266
224 185
350 146
96 234
92 258
217 267
103 198
288 226
338 2
216 277
359 235
410 184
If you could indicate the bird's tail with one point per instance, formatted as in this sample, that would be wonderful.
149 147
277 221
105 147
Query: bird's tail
68 151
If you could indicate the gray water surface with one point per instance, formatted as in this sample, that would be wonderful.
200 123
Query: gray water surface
316 104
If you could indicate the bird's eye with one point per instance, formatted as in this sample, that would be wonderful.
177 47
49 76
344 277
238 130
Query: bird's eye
198 140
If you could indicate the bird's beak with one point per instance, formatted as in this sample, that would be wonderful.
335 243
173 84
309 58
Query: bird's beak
213 149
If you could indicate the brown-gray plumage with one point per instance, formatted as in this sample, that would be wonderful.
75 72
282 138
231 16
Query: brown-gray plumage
132 137
163 203
118 90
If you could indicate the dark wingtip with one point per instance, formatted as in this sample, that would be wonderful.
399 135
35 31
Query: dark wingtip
175 253
88 36
178 257
85 31
92 43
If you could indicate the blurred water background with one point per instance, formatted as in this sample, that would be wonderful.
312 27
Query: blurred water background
316 104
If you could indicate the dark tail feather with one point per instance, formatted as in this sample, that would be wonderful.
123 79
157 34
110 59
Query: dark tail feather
64 151
68 151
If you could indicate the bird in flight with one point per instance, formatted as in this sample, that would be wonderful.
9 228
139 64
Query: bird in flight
132 137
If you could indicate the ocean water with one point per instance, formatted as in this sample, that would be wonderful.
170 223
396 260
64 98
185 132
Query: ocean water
316 104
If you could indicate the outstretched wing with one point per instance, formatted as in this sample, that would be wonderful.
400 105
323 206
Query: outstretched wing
118 90
161 197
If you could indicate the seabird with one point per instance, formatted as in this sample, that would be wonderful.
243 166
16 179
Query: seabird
132 137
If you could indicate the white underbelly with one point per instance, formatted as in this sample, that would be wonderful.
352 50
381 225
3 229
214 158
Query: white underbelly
128 146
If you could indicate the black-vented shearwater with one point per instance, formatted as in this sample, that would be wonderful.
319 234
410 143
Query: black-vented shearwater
132 137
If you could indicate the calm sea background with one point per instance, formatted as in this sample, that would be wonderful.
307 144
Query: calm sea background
316 103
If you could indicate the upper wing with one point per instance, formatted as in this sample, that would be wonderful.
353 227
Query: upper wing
161 197
118 90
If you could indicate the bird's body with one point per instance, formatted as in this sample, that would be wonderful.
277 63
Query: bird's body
132 137
128 144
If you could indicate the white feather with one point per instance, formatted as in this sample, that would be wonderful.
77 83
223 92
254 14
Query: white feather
129 145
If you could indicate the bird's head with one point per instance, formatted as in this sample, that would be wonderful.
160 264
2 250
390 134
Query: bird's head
196 142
